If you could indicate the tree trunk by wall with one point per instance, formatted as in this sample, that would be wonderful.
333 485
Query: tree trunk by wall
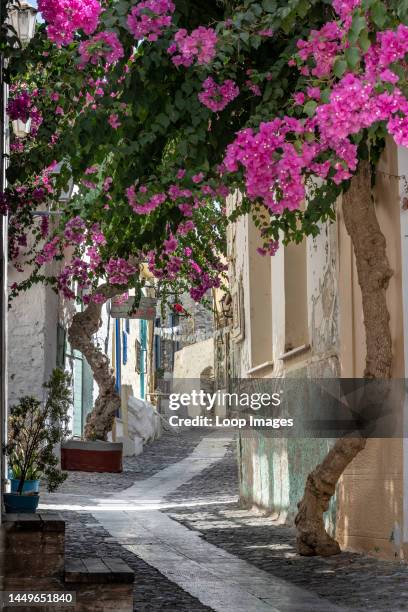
80 334
374 274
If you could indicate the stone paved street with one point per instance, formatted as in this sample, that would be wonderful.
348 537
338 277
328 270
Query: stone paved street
170 448
352 580
173 517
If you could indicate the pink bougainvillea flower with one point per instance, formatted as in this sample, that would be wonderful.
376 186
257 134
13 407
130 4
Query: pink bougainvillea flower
98 298
65 17
313 92
19 106
199 46
114 121
147 206
119 271
217 97
75 230
104 46
48 252
197 178
148 19
170 245
91 170
256 90
299 98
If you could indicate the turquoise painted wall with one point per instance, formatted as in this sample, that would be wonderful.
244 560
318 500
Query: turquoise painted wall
273 469
273 472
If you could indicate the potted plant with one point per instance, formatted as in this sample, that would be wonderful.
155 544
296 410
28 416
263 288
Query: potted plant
35 428
32 478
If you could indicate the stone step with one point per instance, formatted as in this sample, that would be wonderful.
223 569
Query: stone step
109 570
100 584
33 545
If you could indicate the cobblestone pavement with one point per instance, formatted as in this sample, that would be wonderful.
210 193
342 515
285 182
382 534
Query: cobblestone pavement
85 537
172 447
153 592
357 582
206 506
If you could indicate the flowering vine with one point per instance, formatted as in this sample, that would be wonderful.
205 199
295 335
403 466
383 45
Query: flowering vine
169 145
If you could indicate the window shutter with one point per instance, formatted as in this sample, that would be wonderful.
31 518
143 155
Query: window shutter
125 347
61 346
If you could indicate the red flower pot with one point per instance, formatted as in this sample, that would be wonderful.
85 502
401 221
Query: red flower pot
98 456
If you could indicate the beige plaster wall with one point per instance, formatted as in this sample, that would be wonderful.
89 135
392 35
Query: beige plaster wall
190 361
320 294
130 379
370 494
189 364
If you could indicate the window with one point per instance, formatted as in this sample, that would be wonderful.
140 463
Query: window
260 298
296 315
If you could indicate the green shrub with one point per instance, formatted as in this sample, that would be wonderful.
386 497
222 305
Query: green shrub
35 428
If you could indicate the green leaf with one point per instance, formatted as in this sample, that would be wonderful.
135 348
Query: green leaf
378 14
339 67
352 55
364 41
402 11
255 41
179 100
303 8
325 96
163 120
269 6
357 26
310 107
121 7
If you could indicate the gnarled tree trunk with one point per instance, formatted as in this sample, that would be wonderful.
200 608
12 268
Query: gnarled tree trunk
83 326
374 274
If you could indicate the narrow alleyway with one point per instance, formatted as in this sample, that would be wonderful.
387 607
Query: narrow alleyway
173 516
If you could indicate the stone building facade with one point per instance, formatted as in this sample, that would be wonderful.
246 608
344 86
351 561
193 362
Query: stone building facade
38 324
299 315
175 331
32 352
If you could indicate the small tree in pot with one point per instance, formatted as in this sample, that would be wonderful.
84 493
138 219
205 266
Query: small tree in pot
34 429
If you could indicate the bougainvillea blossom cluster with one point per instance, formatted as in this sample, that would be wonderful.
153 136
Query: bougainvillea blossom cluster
199 46
143 208
217 97
150 18
19 106
119 271
282 153
333 102
323 46
65 17
104 46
